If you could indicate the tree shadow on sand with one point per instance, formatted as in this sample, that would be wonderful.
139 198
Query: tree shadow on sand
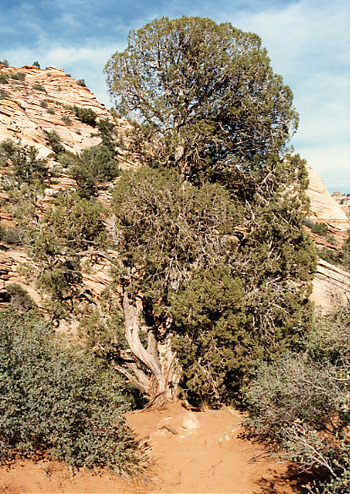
279 482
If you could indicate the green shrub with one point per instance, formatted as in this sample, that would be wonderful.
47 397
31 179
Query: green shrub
4 62
3 94
36 64
39 87
11 236
55 141
300 405
18 76
27 166
43 103
320 229
94 167
58 402
81 82
4 78
85 115
308 222
19 297
51 111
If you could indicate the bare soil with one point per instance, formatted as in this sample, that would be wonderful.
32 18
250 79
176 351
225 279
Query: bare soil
192 452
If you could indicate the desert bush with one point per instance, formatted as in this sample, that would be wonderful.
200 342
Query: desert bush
36 64
320 229
67 120
4 62
27 166
18 76
58 402
81 82
94 166
4 79
55 142
3 94
300 405
43 103
85 115
308 222
19 297
11 235
39 87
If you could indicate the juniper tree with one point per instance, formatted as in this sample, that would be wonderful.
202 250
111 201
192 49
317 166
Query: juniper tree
202 96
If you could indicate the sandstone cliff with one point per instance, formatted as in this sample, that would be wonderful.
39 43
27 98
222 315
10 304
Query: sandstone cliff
324 207
344 202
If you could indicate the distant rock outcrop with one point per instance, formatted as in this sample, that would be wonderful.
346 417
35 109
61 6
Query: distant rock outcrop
344 202
324 208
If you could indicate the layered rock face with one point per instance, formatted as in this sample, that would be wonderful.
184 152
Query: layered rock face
331 286
324 207
40 102
344 202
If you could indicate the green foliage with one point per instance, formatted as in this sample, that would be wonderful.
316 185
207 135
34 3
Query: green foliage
93 167
210 341
4 62
27 166
85 115
107 131
346 253
228 294
203 95
340 258
320 229
164 225
18 76
36 64
43 103
19 297
39 87
300 404
69 228
81 82
3 94
11 235
55 142
4 78
58 402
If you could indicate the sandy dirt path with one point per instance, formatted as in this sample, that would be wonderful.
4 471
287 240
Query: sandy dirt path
192 452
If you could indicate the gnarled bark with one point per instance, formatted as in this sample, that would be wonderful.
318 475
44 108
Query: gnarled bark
162 376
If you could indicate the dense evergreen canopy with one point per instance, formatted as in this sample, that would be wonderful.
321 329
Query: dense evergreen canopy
202 96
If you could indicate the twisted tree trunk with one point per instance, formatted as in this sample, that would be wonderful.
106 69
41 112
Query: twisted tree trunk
155 370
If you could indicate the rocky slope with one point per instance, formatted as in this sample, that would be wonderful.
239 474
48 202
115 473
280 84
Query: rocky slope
344 202
35 101
325 208
40 102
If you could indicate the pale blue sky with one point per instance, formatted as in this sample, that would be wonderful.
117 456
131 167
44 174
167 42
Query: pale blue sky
308 42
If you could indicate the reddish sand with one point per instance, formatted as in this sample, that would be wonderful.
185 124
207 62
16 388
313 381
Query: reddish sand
192 453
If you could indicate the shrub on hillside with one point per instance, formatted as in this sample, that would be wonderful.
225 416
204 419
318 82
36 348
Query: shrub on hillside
39 87
94 166
4 78
85 115
320 229
57 402
18 76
